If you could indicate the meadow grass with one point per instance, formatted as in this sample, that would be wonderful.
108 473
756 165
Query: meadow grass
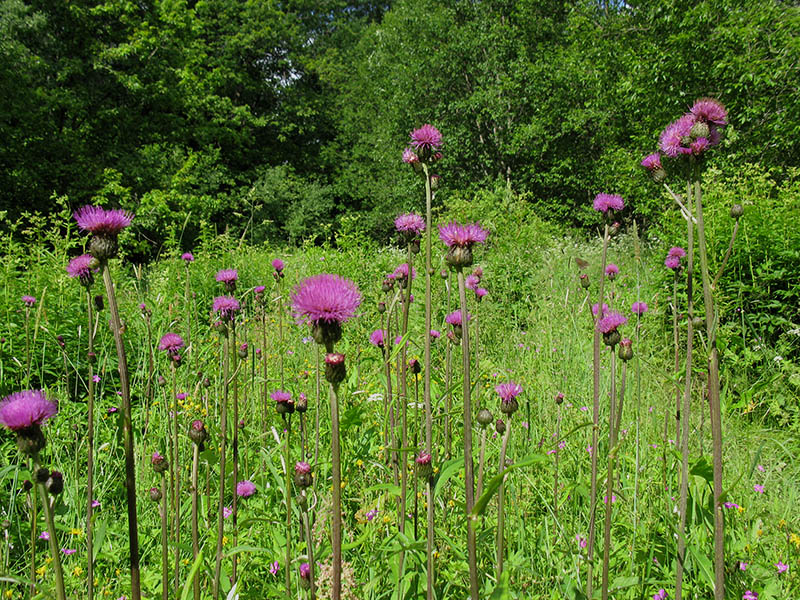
535 329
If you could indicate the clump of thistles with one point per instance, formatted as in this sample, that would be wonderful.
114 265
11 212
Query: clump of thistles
459 239
325 302
696 131
508 393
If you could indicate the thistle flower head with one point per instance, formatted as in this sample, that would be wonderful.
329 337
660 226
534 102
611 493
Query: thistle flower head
401 272
187 257
639 308
305 570
508 391
80 267
672 262
410 157
672 140
481 293
302 467
676 251
100 221
281 396
612 270
277 264
245 488
28 301
471 282
226 306
426 138
708 110
259 289
227 276
378 337
454 318
171 343
605 202
596 308
325 298
410 224
26 409
611 322
651 162
462 236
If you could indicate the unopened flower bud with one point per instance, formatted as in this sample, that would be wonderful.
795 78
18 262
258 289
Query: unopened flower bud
197 432
161 381
444 274
27 485
243 350
301 405
335 370
42 474
700 130
736 211
508 406
424 465
387 285
30 440
484 417
305 576
206 382
416 368
302 475
584 278
613 229
92 357
500 426
414 246
625 349
459 256
155 494
698 322
611 338
559 398
381 307
60 340
159 463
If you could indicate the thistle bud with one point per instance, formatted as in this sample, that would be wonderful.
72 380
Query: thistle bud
736 211
424 465
700 130
27 485
55 484
30 440
301 405
243 350
500 426
98 302
206 382
387 285
416 368
625 349
161 381
305 576
611 338
484 417
155 494
326 333
459 256
159 463
444 274
302 475
60 340
698 322
508 406
414 246
613 229
381 307
584 278
197 432
42 474
559 398
335 370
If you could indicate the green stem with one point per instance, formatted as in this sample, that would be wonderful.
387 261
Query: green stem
34 502
222 459
234 353
336 529
51 530
127 435
309 545
90 457
195 534
426 392
288 421
176 474
501 515
612 443
164 542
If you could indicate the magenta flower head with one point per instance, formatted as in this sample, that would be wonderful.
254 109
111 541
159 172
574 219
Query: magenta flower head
427 141
472 281
410 158
608 327
459 239
277 264
80 268
226 306
454 318
305 575
411 225
325 302
435 334
105 226
612 271
481 293
187 257
508 393
608 202
245 489
676 251
24 413
171 343
228 277
781 566
28 301
676 137
424 463
274 567
377 338
652 162
401 273
596 309
673 262
639 308
749 595
283 402
708 110
335 368
302 474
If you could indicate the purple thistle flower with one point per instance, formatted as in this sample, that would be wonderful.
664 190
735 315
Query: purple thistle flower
782 568
325 297
612 270
281 396
401 272
305 570
188 257
44 536
102 222
411 223
29 301
639 308
274 567
651 162
410 157
68 551
226 306
508 391
454 318
481 293
25 409
673 136
377 338
611 322
676 251
426 137
436 334
79 267
227 276
259 289
277 264
171 343
759 488
463 236
596 308
748 595
699 145
245 489
472 281
708 110
605 202
302 467
672 262
423 458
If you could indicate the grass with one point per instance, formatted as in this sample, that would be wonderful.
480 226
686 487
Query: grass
535 329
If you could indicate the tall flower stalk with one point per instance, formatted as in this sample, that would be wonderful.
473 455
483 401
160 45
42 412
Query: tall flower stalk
105 226
285 406
303 479
198 435
607 204
509 404
325 302
161 466
460 239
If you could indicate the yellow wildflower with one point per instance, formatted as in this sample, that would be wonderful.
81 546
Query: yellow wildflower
77 571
